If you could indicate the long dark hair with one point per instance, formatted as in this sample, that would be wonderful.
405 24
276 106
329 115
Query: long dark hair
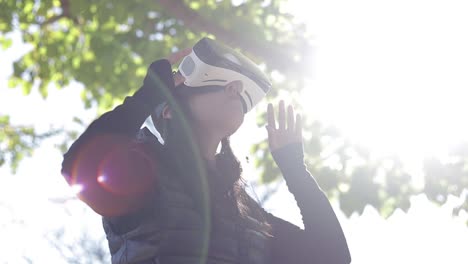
184 154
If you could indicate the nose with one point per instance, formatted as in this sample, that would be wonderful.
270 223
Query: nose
234 89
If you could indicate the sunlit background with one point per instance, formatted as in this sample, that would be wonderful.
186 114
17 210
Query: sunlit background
392 75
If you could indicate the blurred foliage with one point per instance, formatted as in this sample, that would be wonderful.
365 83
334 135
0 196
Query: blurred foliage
107 45
85 249
16 142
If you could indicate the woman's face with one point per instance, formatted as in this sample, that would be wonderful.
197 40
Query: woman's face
220 111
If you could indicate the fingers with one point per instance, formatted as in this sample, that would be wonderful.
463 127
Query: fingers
271 117
281 116
178 79
291 118
285 120
179 55
283 135
176 57
298 131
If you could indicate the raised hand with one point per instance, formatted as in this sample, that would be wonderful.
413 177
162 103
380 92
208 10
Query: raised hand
175 58
289 129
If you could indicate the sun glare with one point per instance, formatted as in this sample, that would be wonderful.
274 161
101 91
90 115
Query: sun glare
392 76
77 188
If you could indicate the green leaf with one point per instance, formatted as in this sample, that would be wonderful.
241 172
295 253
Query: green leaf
5 42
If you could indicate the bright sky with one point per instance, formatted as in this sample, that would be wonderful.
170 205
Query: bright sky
392 75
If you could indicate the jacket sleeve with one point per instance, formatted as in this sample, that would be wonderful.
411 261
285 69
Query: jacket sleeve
113 171
322 240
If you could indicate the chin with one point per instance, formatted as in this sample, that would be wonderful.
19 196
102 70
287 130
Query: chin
233 117
234 125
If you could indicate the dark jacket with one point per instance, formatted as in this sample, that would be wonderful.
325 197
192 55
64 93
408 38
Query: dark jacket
321 241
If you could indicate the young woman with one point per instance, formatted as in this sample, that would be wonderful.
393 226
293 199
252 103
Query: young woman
181 201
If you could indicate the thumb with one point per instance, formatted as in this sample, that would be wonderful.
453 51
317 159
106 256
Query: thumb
178 79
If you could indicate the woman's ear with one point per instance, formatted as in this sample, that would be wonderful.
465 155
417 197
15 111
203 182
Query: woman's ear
167 113
234 88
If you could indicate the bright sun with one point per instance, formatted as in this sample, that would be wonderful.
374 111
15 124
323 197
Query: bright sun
391 75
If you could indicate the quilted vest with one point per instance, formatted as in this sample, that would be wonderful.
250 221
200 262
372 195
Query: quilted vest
171 230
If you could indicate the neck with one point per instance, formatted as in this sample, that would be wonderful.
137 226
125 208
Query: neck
208 143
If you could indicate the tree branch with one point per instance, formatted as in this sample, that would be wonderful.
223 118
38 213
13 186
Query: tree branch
276 56
65 4
52 20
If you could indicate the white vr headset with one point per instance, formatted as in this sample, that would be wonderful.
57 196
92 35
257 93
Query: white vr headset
213 64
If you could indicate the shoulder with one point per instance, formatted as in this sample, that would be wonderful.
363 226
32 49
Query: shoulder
149 141
144 135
